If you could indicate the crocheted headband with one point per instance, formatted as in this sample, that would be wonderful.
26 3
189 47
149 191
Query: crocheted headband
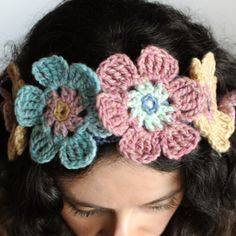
144 106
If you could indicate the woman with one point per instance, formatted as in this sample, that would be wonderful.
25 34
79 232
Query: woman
89 160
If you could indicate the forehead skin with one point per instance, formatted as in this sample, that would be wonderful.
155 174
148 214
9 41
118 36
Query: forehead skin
123 187
122 184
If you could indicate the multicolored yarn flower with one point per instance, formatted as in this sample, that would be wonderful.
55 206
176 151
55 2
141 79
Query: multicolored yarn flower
148 105
17 141
63 116
217 126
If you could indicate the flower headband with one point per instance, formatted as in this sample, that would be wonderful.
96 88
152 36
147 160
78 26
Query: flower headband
144 106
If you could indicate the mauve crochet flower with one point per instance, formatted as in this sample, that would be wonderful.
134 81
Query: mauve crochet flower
64 111
149 105
7 108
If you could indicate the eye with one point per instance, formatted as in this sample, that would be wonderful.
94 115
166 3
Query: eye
82 213
172 204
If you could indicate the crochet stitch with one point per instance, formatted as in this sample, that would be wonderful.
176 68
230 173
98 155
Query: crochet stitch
64 111
145 101
62 115
213 124
7 108
17 141
227 104
149 106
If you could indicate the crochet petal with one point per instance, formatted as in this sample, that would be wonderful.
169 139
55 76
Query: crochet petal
178 140
84 79
157 64
78 151
117 73
216 131
95 126
7 109
21 139
51 71
204 73
227 103
29 105
113 112
187 97
42 146
140 146
223 128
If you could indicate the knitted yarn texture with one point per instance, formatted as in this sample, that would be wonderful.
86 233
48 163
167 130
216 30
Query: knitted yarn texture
17 141
63 116
145 106
149 105
213 124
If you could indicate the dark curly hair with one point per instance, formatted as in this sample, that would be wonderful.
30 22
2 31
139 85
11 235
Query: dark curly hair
89 31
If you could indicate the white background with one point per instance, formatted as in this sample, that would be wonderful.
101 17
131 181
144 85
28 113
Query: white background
17 17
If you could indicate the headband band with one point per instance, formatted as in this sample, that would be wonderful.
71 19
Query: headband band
145 106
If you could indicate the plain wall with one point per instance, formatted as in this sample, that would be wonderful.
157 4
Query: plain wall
18 16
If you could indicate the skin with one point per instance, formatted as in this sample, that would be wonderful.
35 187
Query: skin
123 187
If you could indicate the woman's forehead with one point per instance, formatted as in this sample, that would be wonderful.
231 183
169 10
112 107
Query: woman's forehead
122 183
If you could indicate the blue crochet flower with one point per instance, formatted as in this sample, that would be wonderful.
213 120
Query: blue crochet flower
63 115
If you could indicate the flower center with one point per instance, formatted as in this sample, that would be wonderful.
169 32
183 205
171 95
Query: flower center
62 111
149 104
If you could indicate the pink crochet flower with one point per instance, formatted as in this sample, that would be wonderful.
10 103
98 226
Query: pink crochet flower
63 111
148 105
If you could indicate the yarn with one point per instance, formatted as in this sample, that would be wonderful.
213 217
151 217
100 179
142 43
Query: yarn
227 104
17 141
64 111
7 109
21 138
145 106
61 114
14 75
149 112
149 105
213 124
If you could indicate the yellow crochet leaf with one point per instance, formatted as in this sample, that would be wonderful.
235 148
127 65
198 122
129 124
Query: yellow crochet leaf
11 149
204 73
14 75
217 132
17 142
213 124
21 139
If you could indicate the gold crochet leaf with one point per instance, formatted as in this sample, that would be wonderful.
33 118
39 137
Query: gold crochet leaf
17 142
14 75
213 124
18 138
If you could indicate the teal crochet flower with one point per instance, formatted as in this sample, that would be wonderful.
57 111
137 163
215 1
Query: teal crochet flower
63 116
149 104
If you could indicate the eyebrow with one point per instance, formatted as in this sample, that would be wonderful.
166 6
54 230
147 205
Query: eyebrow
76 202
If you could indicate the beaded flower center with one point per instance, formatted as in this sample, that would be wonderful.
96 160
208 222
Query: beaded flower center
149 104
62 111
